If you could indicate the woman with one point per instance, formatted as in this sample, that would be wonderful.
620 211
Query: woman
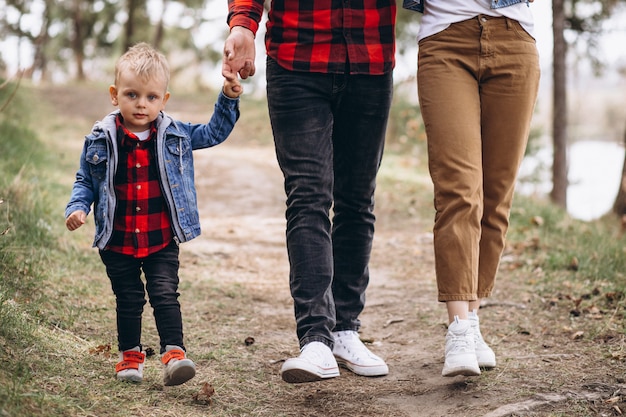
478 76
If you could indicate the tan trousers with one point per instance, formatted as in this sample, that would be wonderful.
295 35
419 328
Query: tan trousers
477 84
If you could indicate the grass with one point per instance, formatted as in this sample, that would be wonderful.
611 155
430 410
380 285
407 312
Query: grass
580 264
51 324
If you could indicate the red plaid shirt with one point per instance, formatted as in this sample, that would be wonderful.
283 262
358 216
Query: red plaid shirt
142 224
328 36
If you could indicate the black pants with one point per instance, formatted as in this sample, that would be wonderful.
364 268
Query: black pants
329 133
161 276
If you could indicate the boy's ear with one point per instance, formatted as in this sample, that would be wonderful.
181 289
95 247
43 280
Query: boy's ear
165 98
113 93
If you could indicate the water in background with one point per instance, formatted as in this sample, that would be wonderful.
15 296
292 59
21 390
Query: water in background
595 170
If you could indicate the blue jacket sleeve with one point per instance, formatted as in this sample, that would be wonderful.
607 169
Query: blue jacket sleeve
83 192
225 115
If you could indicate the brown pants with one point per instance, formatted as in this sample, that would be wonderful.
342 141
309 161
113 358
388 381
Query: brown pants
477 84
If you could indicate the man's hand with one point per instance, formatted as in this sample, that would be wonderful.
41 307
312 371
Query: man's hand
239 54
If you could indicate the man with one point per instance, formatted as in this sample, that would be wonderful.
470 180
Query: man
329 89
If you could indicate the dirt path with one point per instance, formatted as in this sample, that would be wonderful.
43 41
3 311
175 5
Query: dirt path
242 207
234 285
242 203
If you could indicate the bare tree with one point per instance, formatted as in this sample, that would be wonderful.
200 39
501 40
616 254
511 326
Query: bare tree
619 206
78 38
558 195
584 19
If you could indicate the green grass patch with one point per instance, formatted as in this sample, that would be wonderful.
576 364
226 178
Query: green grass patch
576 264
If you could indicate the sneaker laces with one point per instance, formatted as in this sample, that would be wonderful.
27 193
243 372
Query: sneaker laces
478 337
316 352
352 343
458 342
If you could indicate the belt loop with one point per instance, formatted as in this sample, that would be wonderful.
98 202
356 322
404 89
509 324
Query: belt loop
508 23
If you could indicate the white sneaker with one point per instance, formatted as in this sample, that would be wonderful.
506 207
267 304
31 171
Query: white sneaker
352 354
460 350
484 354
130 366
316 362
177 368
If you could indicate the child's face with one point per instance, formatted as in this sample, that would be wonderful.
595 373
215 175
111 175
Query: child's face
139 101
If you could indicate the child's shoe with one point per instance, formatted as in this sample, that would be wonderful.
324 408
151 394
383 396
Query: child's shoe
178 369
130 366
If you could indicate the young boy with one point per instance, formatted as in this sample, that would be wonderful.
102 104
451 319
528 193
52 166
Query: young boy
136 169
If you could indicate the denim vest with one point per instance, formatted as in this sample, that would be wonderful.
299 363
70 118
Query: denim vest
174 144
418 5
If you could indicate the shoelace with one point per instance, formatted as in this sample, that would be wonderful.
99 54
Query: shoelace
358 350
459 342
315 355
478 337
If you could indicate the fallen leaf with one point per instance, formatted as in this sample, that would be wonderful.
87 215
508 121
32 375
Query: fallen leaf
578 335
105 350
204 395
573 264
249 341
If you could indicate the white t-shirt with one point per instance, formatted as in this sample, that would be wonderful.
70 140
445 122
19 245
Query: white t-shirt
439 14
143 135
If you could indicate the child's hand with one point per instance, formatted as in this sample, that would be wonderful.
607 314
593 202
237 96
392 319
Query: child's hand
232 86
75 220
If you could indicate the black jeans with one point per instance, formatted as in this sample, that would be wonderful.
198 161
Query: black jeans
329 133
161 275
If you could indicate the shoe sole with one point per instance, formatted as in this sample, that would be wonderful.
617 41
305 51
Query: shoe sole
461 370
377 370
297 372
133 379
126 376
179 376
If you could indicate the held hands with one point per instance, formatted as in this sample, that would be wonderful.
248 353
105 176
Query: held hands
232 86
75 220
239 54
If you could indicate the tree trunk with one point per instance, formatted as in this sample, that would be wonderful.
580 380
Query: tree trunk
619 206
129 27
558 195
40 43
160 27
78 41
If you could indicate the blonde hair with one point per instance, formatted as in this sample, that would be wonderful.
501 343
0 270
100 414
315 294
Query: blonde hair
145 61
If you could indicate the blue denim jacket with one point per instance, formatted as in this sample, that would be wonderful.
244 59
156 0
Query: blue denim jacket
174 144
418 5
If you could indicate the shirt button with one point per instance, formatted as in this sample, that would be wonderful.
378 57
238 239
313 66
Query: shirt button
139 187
137 231
137 208
138 165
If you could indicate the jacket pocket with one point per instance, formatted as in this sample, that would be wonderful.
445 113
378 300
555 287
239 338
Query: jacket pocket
176 146
97 159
